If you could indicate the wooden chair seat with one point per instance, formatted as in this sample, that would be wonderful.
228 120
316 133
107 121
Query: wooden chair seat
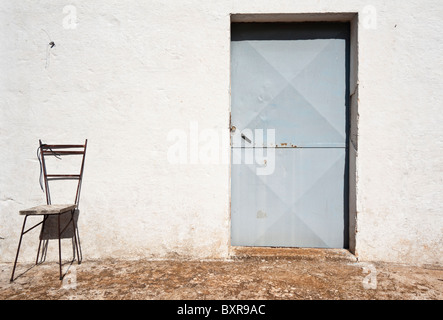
48 209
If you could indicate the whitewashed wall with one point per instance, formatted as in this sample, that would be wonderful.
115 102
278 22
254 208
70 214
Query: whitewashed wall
129 72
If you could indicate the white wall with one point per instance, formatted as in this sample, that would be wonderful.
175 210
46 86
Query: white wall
132 71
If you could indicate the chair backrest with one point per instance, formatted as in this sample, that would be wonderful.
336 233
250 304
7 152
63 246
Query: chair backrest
60 150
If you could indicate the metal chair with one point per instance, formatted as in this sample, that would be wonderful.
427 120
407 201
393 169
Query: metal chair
55 210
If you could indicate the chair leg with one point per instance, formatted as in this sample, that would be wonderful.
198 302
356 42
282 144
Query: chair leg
60 249
75 238
18 249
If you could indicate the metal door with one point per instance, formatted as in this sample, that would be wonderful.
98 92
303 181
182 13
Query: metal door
289 132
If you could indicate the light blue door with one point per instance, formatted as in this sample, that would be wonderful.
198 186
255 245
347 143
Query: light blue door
289 134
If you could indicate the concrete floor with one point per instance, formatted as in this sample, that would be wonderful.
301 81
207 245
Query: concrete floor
257 274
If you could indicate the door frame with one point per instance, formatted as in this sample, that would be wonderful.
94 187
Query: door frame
350 200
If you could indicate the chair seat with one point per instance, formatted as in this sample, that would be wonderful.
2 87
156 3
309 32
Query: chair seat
48 209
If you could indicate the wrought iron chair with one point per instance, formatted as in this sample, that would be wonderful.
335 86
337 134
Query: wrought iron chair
55 210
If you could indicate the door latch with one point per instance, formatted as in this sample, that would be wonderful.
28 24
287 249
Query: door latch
246 138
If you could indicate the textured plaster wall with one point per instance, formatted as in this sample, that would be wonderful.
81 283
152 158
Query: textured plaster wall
132 71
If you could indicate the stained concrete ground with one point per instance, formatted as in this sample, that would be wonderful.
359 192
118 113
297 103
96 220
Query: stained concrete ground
251 274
